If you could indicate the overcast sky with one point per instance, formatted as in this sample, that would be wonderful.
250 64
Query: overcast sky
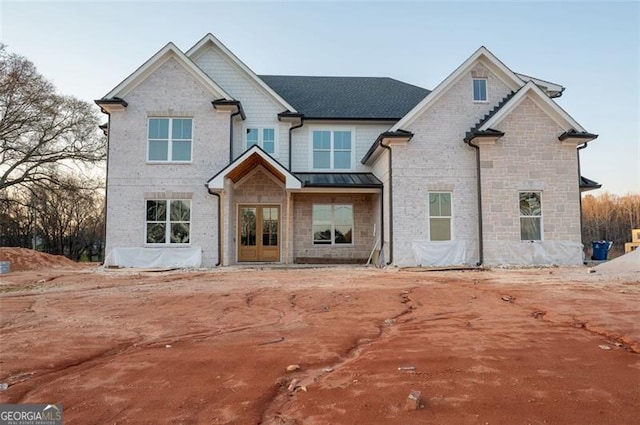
591 48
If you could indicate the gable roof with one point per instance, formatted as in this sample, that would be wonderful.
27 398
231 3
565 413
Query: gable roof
249 160
535 93
168 51
482 55
358 98
211 39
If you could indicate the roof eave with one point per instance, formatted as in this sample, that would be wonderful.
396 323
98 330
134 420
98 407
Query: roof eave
229 105
114 104
397 136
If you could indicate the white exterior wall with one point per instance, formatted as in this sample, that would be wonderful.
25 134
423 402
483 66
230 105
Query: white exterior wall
260 108
437 159
170 92
363 135
530 158
380 169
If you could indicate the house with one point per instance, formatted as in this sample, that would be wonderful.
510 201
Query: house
210 164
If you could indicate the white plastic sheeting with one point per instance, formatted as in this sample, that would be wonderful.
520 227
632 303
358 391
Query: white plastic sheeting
155 257
436 254
531 253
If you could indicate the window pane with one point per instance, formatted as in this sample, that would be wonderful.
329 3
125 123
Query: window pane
269 227
440 229
252 137
530 229
248 227
180 211
268 135
480 89
181 151
181 129
343 214
445 204
321 214
269 147
342 160
530 204
321 160
434 204
158 128
322 234
180 233
342 140
158 150
343 234
155 232
321 140
156 210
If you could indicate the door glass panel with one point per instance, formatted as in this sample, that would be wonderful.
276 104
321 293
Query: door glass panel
269 226
248 226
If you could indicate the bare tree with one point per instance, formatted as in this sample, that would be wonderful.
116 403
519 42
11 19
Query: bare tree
40 130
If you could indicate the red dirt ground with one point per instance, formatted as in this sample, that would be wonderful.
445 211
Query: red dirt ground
538 346
26 259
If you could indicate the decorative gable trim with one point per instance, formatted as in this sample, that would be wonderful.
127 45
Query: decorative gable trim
250 159
156 61
210 38
540 98
481 56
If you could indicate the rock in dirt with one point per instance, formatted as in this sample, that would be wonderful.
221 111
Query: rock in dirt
604 347
507 298
413 401
4 387
293 367
293 385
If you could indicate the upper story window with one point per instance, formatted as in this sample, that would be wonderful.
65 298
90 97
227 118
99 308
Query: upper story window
479 89
263 137
332 150
440 216
168 221
169 139
530 216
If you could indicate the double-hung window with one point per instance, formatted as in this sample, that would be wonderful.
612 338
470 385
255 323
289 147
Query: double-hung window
332 224
168 221
263 137
169 139
479 89
530 216
440 216
332 150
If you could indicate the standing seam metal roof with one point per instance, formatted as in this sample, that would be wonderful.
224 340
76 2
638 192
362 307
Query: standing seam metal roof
347 97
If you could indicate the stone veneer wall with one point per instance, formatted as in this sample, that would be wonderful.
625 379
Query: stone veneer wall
364 220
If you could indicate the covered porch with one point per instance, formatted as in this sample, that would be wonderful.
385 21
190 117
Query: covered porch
268 214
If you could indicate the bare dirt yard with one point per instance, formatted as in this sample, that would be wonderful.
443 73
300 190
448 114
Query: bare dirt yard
536 346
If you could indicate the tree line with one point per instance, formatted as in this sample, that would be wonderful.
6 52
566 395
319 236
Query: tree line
49 145
610 217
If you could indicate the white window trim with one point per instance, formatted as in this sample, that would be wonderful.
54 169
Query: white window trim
541 216
261 129
333 224
450 217
486 80
167 230
170 141
332 129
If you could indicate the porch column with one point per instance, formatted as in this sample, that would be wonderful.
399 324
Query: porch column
287 229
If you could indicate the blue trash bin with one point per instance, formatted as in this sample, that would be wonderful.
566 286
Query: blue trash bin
600 250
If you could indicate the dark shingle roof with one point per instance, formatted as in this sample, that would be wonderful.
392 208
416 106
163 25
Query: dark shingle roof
361 180
347 97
